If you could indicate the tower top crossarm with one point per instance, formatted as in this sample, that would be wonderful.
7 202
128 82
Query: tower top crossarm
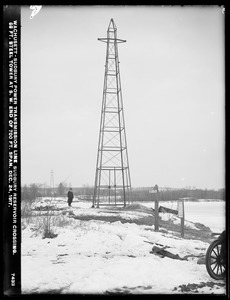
111 34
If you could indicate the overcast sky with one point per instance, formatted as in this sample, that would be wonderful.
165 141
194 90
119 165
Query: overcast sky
172 75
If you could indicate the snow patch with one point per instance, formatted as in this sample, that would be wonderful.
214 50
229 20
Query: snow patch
98 257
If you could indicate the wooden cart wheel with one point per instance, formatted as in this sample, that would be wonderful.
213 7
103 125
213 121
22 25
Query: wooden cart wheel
215 264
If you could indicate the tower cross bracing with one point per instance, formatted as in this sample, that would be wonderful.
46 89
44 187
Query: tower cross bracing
112 179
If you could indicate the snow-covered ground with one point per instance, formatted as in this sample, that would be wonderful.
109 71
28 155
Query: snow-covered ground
100 257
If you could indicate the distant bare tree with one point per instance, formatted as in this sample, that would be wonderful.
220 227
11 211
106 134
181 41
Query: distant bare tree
61 189
34 189
30 192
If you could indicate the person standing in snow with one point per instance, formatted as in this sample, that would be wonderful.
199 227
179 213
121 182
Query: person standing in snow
70 197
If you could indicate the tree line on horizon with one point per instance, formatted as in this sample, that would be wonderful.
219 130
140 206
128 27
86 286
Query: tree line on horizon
33 191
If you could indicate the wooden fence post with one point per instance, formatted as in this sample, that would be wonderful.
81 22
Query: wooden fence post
157 212
181 215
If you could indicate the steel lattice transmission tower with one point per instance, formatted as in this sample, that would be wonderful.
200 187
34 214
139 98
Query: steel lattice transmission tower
112 179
